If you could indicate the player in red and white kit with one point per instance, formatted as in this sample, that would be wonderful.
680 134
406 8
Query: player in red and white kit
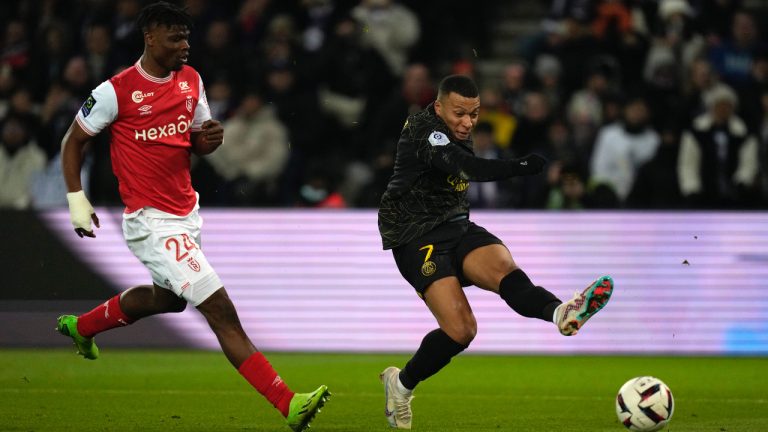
157 114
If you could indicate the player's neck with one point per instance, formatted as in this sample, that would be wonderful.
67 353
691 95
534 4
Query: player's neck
152 68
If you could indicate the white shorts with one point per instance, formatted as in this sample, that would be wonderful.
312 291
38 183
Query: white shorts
169 246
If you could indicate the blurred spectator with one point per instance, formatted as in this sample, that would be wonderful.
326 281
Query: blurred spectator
702 79
252 20
532 127
570 191
390 28
20 160
494 111
318 16
718 162
622 148
365 184
733 58
51 54
656 184
127 39
716 18
484 194
219 58
15 47
548 71
514 87
763 152
219 95
319 189
254 155
98 53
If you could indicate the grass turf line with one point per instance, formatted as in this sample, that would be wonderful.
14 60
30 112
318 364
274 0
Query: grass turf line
130 390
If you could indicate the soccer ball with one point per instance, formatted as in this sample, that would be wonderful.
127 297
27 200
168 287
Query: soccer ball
644 404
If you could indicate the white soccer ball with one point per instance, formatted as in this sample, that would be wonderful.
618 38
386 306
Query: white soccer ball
644 404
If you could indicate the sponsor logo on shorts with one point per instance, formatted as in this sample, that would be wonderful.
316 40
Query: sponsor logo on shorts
428 268
168 284
185 286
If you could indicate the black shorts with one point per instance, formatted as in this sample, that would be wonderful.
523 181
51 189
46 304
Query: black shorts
440 253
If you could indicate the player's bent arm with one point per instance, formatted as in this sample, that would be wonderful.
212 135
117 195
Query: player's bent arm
452 160
72 151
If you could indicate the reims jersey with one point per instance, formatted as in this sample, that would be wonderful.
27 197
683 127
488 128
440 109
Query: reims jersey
150 120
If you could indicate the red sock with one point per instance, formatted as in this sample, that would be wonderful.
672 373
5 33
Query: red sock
257 371
103 317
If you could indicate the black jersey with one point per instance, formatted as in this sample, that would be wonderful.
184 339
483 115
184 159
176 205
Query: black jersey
431 178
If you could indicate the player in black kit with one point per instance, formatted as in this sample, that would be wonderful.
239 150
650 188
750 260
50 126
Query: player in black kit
424 219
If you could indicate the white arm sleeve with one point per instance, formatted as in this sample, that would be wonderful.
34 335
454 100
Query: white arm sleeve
202 110
99 110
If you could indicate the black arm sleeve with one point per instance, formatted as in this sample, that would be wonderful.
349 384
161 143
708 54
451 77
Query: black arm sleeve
453 160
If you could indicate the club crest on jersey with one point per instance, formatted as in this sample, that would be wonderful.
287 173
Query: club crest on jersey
438 139
189 103
88 105
139 96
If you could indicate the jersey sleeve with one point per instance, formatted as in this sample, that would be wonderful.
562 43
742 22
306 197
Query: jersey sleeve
99 110
439 152
202 110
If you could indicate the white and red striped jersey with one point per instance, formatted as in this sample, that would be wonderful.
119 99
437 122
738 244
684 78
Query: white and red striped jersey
150 120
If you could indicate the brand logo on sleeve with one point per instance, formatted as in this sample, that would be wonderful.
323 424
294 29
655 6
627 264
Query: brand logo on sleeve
438 139
88 105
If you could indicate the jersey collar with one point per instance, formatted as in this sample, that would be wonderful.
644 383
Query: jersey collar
149 77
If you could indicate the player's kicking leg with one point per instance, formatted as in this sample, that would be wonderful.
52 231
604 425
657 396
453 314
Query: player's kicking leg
571 315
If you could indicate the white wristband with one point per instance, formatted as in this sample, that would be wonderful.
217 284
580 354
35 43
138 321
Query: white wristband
80 210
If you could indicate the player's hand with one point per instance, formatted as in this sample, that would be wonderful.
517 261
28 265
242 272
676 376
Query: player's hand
81 214
531 164
213 133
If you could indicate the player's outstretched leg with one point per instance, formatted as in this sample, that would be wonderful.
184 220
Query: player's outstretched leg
397 407
571 315
304 407
86 347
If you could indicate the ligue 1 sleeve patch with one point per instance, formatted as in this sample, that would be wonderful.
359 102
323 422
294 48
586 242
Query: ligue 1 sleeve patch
438 139
88 105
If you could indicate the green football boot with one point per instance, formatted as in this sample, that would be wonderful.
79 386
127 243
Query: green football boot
304 407
86 347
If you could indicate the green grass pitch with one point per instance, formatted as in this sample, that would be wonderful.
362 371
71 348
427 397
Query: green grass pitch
130 390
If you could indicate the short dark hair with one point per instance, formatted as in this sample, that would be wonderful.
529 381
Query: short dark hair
459 84
162 13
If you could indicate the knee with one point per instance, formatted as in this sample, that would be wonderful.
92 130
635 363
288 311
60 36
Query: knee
219 310
463 331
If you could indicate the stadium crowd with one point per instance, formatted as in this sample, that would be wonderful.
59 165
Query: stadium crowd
646 104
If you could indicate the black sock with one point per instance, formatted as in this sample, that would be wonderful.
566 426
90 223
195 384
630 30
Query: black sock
436 351
525 298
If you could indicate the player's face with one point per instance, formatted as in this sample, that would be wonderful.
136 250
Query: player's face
459 113
169 46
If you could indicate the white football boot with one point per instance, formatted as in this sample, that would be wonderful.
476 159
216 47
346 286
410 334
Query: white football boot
571 315
398 403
